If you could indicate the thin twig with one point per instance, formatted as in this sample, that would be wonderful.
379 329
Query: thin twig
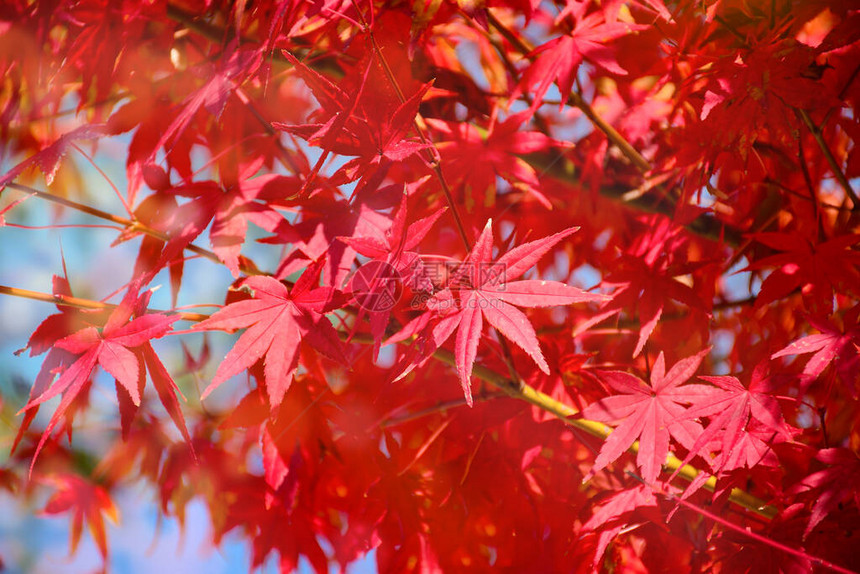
828 155
576 100
132 225
87 304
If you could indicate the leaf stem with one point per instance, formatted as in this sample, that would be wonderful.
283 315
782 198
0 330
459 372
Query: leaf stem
828 155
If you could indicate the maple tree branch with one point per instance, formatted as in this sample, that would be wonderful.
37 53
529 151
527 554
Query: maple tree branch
216 34
828 155
516 389
568 415
705 225
89 304
130 224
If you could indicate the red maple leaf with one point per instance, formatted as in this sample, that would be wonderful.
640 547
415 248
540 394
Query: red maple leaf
392 255
52 329
816 269
751 94
325 220
613 516
212 95
49 158
743 421
645 278
558 60
357 122
482 288
88 502
831 344
276 320
833 484
118 348
652 413
475 158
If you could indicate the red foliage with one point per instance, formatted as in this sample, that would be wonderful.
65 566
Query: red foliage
423 341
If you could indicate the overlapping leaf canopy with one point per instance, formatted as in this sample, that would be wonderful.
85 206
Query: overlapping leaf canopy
407 317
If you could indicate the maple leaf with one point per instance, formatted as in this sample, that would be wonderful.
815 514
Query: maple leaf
744 420
357 124
251 199
832 485
276 320
49 158
49 331
750 95
831 344
645 278
213 94
816 269
88 502
483 288
393 265
113 348
650 412
475 158
558 59
612 516
325 220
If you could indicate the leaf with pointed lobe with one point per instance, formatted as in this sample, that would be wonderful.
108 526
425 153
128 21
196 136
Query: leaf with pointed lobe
473 159
275 322
817 269
49 158
559 59
744 421
651 413
647 276
111 348
212 96
611 517
832 485
88 504
166 389
481 288
831 344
